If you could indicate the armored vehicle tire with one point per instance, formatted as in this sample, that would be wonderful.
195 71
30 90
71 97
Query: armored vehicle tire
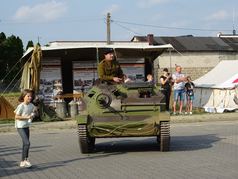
164 136
86 142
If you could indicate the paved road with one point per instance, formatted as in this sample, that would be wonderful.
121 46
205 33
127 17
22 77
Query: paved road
198 150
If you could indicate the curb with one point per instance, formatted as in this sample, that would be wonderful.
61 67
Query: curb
206 117
71 124
41 126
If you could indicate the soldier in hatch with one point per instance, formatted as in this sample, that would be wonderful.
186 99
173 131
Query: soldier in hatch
109 69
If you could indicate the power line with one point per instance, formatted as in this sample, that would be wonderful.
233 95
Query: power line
167 27
128 29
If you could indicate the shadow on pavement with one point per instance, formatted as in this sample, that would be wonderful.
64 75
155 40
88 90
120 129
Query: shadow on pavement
8 167
4 151
197 142
178 143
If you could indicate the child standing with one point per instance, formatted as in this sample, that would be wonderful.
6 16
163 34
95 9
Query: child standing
24 114
189 85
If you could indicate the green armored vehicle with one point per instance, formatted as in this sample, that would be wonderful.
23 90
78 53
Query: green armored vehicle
125 110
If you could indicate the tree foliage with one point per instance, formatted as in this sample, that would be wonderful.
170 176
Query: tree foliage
29 44
11 50
2 37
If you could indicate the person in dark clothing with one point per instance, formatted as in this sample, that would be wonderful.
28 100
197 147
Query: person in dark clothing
189 85
166 80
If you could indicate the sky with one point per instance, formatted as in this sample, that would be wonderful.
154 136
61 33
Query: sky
85 20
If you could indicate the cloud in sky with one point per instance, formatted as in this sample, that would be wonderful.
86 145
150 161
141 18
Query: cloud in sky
219 15
44 12
150 3
112 9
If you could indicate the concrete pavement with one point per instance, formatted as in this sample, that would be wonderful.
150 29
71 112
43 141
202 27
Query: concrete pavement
201 150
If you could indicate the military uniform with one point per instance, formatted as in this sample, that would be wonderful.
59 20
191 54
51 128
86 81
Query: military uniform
109 69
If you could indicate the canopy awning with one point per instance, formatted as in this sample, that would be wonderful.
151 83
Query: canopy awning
96 50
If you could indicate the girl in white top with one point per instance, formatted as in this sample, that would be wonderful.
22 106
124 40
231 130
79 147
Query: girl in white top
23 116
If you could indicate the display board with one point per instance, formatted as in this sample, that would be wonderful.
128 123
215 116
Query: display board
84 75
133 68
50 79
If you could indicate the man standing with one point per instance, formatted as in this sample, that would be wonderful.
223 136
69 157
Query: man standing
179 82
109 69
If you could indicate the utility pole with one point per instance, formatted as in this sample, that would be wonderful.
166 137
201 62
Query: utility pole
108 28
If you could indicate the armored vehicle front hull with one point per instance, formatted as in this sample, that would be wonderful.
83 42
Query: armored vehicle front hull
117 112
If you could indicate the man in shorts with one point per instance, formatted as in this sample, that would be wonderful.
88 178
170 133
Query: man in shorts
179 82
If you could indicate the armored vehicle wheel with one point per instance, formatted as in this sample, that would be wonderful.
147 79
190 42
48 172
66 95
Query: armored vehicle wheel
164 136
86 142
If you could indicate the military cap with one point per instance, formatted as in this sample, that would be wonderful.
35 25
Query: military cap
108 50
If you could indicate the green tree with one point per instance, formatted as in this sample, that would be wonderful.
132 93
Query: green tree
2 55
2 37
38 43
30 44
11 51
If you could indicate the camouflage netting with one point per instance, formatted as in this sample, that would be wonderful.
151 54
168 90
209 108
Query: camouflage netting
48 114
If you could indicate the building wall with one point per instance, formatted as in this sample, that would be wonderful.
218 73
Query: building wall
194 64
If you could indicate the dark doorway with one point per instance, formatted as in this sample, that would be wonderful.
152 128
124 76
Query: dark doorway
67 77
148 67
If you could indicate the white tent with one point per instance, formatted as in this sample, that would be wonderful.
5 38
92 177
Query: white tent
215 90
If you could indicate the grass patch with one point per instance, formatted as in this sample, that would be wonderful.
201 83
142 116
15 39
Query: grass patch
12 94
7 121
